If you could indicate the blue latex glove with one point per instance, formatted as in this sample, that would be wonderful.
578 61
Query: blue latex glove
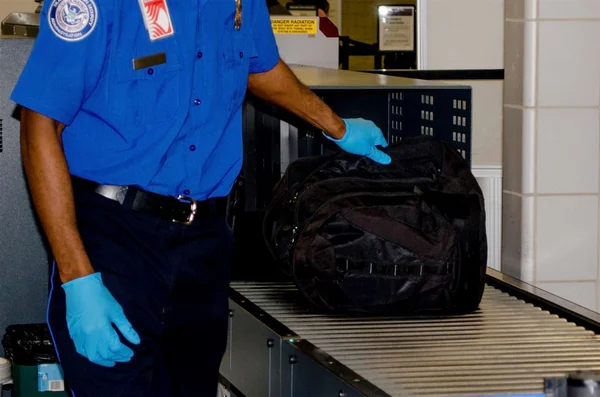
361 138
91 309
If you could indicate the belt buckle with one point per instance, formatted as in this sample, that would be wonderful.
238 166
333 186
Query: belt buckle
193 209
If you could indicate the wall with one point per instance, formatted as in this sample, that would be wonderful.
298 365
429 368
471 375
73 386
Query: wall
459 34
552 146
464 34
469 34
487 121
24 267
8 6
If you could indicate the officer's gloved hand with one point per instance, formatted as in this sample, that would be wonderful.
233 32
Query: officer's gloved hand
362 138
91 309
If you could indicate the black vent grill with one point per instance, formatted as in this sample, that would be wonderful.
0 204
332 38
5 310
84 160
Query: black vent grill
1 136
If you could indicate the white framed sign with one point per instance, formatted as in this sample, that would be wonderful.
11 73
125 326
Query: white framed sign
396 27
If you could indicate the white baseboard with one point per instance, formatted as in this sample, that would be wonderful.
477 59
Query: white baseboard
490 181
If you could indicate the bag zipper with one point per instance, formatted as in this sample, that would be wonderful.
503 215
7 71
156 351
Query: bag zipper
302 192
345 195
303 189
337 198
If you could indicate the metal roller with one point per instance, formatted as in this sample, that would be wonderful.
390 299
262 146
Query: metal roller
507 346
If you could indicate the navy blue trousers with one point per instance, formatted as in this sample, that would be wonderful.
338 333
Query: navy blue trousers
172 282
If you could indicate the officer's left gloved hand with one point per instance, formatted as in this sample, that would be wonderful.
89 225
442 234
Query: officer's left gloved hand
91 313
362 138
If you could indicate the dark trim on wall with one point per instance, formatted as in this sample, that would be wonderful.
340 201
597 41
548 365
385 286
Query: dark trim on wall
466 74
230 386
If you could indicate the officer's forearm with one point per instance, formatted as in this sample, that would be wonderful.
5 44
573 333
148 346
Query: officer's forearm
281 87
50 186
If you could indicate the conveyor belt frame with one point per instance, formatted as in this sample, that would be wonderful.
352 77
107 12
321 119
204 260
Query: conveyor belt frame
293 364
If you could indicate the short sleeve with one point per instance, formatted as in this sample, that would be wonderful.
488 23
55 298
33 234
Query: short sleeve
67 58
266 53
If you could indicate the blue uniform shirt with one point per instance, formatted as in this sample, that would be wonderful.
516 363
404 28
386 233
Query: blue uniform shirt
172 128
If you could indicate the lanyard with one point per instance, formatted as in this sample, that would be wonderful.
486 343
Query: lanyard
238 14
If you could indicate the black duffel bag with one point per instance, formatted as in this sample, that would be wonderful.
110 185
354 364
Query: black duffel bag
404 238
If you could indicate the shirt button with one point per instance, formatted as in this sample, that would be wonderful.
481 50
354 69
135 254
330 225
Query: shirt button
241 54
186 192
199 54
192 147
150 71
196 101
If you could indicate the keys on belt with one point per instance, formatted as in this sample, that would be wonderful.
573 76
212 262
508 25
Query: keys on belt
181 209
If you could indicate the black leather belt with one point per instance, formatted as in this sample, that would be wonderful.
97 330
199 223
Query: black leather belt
180 209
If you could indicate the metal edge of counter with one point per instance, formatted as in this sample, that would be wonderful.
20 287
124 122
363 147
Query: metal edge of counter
554 304
521 290
13 37
351 378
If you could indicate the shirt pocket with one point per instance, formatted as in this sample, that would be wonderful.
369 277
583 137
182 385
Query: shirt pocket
235 66
150 92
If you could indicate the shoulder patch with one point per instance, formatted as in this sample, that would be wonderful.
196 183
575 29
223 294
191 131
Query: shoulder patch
72 20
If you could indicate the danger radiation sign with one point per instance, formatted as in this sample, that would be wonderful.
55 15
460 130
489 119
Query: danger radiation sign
294 25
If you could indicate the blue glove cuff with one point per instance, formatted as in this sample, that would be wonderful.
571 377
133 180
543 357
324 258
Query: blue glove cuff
94 277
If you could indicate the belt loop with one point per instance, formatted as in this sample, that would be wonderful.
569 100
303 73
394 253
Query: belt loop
129 198
212 206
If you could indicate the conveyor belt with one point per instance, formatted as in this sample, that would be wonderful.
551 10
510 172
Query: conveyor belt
507 346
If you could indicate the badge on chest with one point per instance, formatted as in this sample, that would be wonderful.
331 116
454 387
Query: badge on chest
157 18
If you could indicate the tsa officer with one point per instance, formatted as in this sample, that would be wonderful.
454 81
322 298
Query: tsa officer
131 141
